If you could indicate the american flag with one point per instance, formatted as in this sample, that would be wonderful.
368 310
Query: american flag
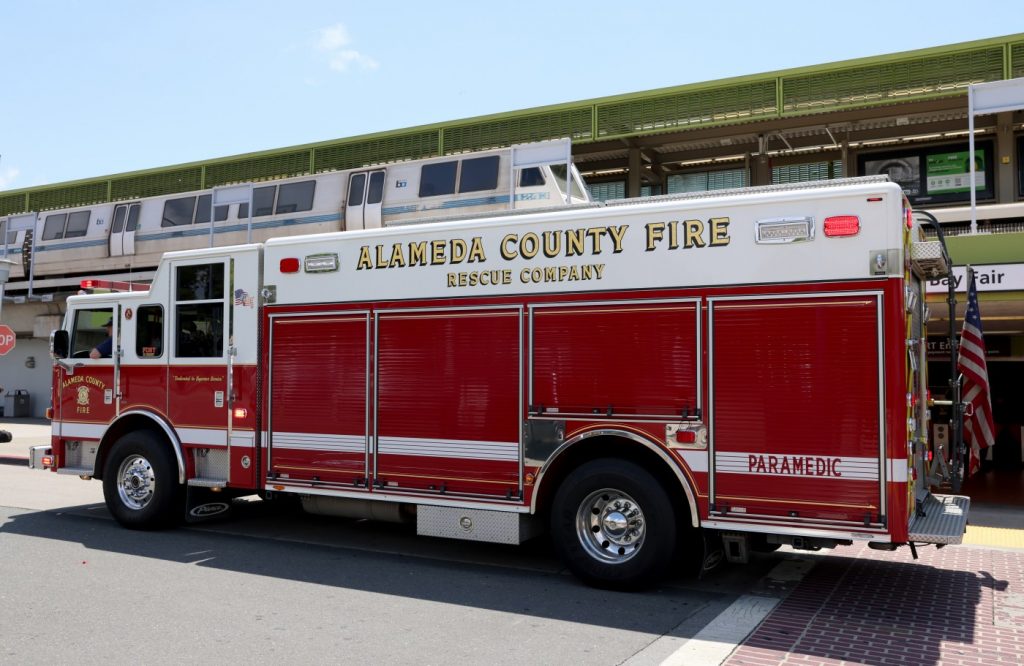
243 298
979 429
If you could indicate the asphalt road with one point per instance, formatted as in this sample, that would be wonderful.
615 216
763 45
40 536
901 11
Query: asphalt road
274 583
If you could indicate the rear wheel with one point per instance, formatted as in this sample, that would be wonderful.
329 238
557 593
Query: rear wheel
140 482
614 525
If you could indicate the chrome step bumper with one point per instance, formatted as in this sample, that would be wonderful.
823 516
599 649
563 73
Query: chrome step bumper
944 520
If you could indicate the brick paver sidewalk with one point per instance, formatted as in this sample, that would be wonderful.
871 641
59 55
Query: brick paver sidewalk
958 605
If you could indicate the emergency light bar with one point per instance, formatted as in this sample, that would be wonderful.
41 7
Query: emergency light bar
103 286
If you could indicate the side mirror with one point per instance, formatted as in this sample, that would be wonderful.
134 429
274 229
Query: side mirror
59 344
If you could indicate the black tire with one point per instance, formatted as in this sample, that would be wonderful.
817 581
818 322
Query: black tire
140 482
613 525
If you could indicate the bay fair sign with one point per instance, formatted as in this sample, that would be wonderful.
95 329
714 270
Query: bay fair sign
990 277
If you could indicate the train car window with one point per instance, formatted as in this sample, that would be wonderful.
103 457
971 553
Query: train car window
117 226
54 226
78 224
437 179
149 331
531 177
199 311
178 212
559 172
133 216
203 210
295 197
356 188
478 174
375 193
12 237
263 202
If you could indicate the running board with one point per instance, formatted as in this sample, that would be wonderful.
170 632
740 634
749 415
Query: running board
943 520
208 483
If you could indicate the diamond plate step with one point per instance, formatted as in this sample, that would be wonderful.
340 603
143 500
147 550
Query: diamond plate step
944 520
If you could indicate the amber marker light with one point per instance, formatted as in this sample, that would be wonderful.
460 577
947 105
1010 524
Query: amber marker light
47 461
240 412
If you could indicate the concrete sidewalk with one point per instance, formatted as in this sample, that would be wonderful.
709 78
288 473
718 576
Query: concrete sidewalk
26 432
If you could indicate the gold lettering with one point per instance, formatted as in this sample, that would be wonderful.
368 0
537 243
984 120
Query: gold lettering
719 231
595 234
476 250
418 254
364 258
458 250
617 234
693 233
654 232
508 253
381 261
396 256
529 245
552 244
673 235
436 252
574 240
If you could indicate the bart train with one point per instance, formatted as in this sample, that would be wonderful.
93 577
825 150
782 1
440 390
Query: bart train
127 238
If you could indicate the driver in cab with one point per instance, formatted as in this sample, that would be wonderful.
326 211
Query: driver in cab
103 349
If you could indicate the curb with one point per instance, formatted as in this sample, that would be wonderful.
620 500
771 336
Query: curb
13 460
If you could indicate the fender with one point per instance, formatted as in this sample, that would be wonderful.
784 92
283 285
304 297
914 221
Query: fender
606 432
172 437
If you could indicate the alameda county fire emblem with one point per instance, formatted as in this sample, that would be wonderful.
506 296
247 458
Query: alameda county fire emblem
83 396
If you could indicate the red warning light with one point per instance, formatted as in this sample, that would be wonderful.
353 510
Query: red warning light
290 265
842 225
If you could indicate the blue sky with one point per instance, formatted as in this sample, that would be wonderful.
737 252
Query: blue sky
107 86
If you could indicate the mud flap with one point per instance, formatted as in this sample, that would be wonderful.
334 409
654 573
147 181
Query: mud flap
713 552
204 505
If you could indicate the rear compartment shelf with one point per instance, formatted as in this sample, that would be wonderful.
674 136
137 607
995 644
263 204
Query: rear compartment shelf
944 520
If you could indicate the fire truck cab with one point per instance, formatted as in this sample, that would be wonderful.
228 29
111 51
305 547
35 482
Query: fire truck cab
645 380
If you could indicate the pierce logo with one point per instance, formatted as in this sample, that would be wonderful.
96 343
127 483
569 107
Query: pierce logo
208 509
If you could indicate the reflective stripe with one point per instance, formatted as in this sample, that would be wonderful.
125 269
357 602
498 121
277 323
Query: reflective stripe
448 448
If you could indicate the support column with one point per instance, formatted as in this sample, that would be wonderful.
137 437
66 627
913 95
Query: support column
1006 159
760 164
635 166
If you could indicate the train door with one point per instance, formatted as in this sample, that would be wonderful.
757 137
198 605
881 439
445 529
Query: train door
122 229
365 196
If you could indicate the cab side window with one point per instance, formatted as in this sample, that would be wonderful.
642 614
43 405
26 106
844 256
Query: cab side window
149 331
91 331
199 311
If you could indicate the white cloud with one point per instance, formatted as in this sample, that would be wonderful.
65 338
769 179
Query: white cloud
335 42
7 176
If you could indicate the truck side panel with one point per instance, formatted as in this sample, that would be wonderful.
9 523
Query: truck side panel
448 407
797 428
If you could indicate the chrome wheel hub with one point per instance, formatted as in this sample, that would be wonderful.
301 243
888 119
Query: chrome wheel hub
135 482
610 526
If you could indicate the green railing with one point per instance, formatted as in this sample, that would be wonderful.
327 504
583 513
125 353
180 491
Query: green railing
902 77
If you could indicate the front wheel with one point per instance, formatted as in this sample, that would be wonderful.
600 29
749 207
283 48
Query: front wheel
140 482
613 525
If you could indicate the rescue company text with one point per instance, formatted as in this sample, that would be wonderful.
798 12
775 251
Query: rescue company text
581 242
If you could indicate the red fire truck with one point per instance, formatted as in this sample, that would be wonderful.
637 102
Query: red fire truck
636 377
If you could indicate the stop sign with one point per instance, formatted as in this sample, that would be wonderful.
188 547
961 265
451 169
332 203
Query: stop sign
6 339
